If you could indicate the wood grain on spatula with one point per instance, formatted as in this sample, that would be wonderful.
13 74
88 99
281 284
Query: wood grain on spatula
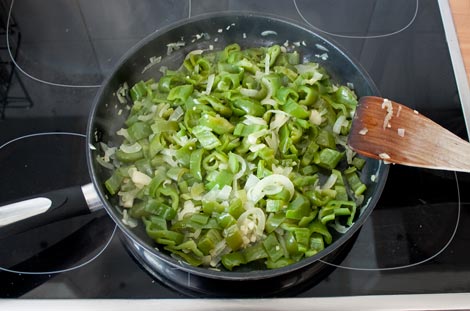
409 138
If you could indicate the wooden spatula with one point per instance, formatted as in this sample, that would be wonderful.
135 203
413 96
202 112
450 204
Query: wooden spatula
387 130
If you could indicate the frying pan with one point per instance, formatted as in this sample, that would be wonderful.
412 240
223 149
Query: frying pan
211 31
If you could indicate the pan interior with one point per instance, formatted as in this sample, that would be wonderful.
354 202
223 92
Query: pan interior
207 33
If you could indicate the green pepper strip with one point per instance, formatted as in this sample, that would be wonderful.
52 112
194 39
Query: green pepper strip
298 208
160 126
195 163
233 237
316 244
236 208
355 183
206 138
223 178
129 157
113 183
274 221
272 247
249 106
344 208
318 227
181 92
328 158
209 240
157 180
138 91
189 245
183 155
158 208
139 130
218 124
255 252
232 260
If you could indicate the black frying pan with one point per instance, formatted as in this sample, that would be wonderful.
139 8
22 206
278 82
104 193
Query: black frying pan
107 117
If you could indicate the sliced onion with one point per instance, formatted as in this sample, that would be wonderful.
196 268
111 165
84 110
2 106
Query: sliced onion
272 141
363 131
218 248
330 182
255 214
268 101
257 147
224 193
339 124
398 111
108 151
162 108
316 77
216 194
242 170
282 170
349 154
304 68
174 46
127 197
258 191
251 181
214 260
124 133
248 92
136 147
177 114
387 104
253 137
210 83
315 117
152 62
146 117
169 152
384 156
280 118
127 220
188 209
170 160
193 52
138 178
266 64
251 120
339 227
104 163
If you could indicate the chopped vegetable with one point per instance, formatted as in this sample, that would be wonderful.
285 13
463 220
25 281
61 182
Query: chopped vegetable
237 157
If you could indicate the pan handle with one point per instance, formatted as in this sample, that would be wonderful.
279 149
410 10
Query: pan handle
39 210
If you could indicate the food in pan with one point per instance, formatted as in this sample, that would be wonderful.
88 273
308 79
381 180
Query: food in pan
238 156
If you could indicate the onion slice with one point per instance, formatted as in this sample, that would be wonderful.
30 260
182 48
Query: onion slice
271 184
136 147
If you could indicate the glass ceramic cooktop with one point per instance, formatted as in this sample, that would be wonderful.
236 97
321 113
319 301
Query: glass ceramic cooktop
60 51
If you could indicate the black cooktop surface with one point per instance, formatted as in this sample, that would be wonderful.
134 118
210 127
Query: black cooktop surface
59 52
